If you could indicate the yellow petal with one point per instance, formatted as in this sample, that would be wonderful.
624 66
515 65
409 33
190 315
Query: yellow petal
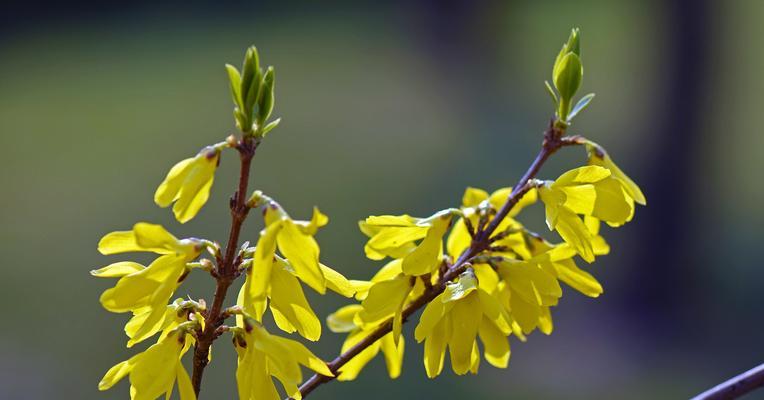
154 237
613 205
302 252
117 270
464 324
317 220
288 300
139 289
525 313
154 372
168 190
193 197
499 197
116 373
587 174
252 378
384 300
391 220
337 282
393 353
137 330
426 257
545 321
432 315
634 191
577 278
473 196
580 198
352 368
574 232
396 241
458 239
486 276
185 388
495 344
259 275
342 319
300 354
435 348
494 312
143 237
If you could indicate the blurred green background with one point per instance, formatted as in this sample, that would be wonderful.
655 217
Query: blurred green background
389 108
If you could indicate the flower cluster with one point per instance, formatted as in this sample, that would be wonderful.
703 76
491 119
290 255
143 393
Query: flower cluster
485 276
286 254
479 273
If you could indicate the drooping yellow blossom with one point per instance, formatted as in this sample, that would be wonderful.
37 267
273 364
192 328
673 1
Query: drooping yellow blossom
343 320
294 240
176 313
598 156
275 278
288 304
589 191
144 290
263 356
530 287
395 236
188 184
386 299
153 373
455 318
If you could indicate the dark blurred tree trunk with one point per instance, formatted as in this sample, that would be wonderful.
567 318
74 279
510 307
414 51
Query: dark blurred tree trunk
668 229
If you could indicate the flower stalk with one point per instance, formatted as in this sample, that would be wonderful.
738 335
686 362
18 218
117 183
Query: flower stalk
227 268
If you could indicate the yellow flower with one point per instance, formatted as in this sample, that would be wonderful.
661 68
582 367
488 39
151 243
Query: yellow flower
263 356
275 278
343 320
138 330
294 240
188 184
395 236
472 201
153 373
589 191
598 156
386 299
144 290
455 319
530 287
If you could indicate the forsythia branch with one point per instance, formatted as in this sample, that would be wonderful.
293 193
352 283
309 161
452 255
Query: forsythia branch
735 387
553 141
227 270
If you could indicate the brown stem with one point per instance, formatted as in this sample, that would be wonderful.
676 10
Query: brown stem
226 272
736 386
553 140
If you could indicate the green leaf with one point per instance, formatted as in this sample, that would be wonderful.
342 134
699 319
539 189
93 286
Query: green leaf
574 44
248 77
551 92
270 126
265 105
568 77
582 103
235 80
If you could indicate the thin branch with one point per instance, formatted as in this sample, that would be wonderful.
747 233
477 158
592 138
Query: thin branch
226 272
553 140
736 386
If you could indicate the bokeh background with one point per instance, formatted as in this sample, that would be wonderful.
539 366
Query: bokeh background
390 107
